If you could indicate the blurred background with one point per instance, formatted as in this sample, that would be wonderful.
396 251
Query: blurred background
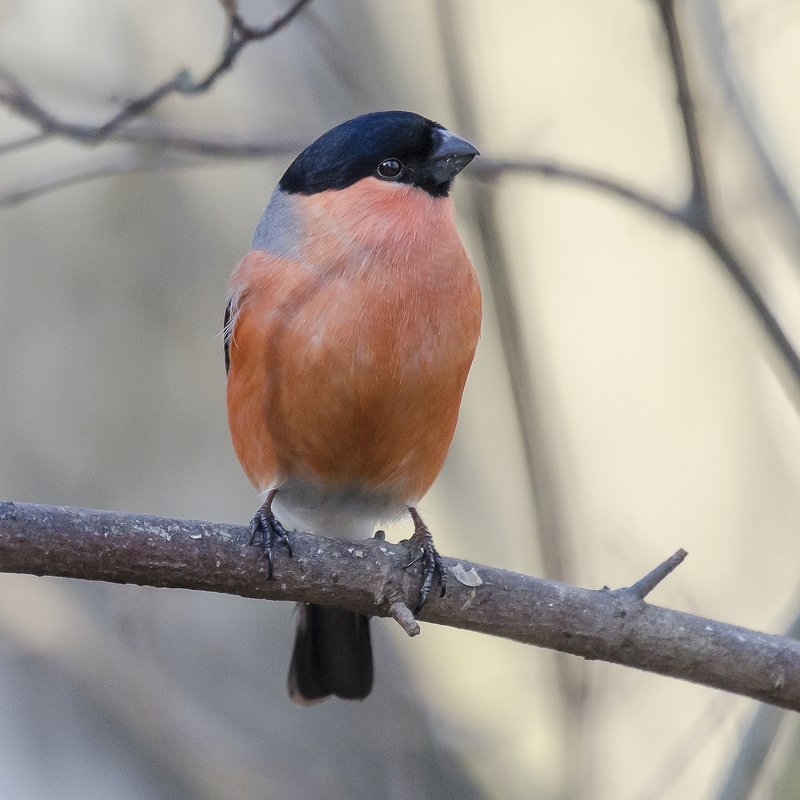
624 401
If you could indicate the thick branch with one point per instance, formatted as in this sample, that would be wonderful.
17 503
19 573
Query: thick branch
366 576
756 744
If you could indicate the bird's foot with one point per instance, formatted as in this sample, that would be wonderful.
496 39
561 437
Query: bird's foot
432 564
269 528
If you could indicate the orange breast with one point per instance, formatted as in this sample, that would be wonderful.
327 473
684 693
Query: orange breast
347 366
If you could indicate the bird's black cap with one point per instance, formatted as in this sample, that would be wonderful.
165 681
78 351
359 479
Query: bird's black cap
397 146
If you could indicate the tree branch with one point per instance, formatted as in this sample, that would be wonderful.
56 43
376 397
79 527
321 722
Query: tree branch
17 98
686 216
491 169
756 744
700 198
366 576
118 164
696 214
698 209
744 108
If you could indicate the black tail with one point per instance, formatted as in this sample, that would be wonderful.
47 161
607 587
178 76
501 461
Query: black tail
332 655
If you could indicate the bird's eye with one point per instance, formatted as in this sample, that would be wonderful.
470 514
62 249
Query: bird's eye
390 170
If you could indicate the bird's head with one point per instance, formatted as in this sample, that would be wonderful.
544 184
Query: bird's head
397 147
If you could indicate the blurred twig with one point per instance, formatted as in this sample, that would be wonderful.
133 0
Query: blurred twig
537 446
119 164
19 144
491 169
159 148
677 760
538 432
486 168
607 625
699 200
726 71
15 96
695 214
698 212
203 753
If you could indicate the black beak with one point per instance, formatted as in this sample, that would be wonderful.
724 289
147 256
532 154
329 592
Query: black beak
450 155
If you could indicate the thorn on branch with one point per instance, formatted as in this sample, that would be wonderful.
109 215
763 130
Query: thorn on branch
639 590
400 612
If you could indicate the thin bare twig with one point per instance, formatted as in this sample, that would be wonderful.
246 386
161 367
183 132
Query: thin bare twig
20 144
699 200
486 168
120 164
159 148
733 84
536 444
201 751
241 34
16 97
698 211
684 216
696 214
491 169
538 432
210 146
363 576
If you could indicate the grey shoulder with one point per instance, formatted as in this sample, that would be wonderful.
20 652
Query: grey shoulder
279 228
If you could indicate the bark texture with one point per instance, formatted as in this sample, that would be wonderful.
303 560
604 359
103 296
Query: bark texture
369 577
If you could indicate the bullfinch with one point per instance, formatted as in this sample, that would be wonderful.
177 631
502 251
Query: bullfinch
349 331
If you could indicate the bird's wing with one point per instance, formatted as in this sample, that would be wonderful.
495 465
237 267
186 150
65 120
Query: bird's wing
227 330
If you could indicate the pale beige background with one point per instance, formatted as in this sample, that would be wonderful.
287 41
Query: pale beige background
669 420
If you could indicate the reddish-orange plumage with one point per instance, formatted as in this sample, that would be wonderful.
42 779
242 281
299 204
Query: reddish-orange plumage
348 364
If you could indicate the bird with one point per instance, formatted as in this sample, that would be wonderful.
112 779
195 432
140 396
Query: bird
350 328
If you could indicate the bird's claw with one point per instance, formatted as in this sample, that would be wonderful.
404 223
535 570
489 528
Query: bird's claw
432 564
265 524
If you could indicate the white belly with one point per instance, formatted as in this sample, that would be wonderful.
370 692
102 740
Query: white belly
342 513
